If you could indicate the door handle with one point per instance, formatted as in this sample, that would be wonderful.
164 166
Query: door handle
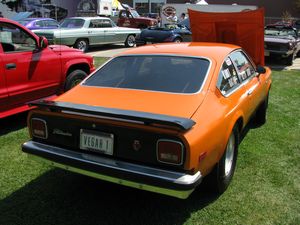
250 91
10 66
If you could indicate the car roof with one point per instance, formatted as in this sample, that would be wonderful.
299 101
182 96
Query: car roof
88 18
217 51
32 19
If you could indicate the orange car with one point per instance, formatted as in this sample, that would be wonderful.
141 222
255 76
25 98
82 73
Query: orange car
157 118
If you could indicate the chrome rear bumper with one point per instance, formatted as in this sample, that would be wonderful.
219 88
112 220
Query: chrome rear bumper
161 181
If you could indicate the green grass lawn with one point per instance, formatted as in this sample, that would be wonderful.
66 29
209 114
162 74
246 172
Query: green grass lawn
265 188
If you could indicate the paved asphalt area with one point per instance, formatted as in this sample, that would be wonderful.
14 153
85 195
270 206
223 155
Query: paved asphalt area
112 50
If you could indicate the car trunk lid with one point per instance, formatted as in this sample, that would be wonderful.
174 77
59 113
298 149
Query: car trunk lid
136 100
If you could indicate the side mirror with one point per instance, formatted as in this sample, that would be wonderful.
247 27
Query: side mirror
43 42
260 69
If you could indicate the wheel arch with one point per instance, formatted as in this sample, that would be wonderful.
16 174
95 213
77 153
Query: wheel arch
79 66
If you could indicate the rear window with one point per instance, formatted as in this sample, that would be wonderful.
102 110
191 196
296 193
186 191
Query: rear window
154 73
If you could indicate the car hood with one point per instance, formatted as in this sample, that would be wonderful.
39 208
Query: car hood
144 18
180 105
279 40
63 48
245 29
157 34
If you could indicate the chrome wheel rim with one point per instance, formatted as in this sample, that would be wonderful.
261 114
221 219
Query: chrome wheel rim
229 154
177 41
82 45
131 41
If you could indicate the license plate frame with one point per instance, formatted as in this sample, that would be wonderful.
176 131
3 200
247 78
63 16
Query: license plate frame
96 141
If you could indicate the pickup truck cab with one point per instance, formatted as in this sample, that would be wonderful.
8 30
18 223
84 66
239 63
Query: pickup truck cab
32 70
131 18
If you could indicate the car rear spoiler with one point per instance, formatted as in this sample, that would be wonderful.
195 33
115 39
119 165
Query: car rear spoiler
117 114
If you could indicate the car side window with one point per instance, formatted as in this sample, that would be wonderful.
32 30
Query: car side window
106 23
39 23
14 39
95 24
228 77
243 65
50 23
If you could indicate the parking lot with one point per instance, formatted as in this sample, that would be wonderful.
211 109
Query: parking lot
112 50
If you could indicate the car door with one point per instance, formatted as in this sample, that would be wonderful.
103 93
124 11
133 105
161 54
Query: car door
3 89
249 79
96 32
30 73
113 34
234 93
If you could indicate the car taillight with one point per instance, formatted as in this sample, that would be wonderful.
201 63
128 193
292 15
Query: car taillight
169 151
39 128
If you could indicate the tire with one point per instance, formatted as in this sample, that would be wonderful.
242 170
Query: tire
221 176
177 40
142 26
290 60
74 78
130 41
261 113
82 45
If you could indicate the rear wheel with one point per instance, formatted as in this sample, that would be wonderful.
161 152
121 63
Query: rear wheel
130 41
82 45
222 174
177 40
74 78
290 60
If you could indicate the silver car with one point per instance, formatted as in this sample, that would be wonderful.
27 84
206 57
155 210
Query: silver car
83 32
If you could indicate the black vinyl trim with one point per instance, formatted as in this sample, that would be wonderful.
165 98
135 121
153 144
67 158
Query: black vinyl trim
147 118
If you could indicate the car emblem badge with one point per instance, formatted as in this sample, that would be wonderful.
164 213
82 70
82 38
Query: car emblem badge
60 132
136 145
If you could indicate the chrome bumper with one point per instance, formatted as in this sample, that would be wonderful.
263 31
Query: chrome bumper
147 178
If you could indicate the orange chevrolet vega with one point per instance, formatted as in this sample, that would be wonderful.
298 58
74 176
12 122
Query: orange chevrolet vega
158 118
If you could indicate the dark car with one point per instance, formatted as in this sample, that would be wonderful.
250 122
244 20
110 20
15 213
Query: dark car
282 42
39 23
297 26
170 33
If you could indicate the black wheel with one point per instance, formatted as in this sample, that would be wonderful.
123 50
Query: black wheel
142 26
261 113
290 60
222 174
130 41
82 45
74 78
177 40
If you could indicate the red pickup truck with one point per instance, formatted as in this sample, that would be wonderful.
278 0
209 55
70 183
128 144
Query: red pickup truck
130 18
32 70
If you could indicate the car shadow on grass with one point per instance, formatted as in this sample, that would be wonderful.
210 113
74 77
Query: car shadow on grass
61 197
13 123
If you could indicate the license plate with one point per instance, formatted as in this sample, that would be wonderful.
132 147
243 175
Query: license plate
267 53
96 141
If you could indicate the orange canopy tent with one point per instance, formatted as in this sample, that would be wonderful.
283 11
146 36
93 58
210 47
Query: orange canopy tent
245 29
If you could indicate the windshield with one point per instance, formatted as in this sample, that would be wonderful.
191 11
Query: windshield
279 32
134 13
72 23
175 74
